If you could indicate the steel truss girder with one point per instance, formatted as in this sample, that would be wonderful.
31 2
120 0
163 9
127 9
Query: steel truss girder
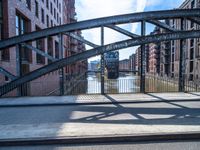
120 30
7 73
162 25
96 51
39 51
120 19
79 38
195 20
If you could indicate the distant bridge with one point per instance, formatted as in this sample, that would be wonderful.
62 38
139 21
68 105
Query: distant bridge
153 17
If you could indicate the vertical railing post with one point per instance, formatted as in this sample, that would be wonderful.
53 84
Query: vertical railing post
181 84
18 68
102 62
61 71
142 53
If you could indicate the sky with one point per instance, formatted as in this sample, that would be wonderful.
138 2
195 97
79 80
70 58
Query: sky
90 9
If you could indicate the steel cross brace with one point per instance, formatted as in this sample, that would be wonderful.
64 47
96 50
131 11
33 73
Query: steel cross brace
39 51
195 20
123 31
7 73
162 25
81 39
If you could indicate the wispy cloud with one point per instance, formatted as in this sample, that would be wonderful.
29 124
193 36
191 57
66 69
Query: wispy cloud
89 9
160 4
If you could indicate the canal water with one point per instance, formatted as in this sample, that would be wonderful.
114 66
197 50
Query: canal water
126 83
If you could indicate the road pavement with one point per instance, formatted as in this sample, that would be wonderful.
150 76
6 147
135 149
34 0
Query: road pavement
181 145
143 115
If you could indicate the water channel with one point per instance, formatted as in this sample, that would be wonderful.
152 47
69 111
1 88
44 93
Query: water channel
126 83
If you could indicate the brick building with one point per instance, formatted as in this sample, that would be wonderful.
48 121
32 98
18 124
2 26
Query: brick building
22 16
138 59
165 54
191 46
124 64
132 62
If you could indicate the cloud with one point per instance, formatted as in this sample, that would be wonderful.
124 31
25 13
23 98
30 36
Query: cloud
90 9
158 4
151 3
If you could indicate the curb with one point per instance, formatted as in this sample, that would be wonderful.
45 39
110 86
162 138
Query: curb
104 139
95 103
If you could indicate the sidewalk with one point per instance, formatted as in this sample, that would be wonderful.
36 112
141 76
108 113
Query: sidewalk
96 99
165 116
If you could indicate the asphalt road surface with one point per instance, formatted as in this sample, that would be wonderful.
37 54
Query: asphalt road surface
117 113
195 145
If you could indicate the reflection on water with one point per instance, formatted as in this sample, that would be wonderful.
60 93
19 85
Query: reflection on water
128 83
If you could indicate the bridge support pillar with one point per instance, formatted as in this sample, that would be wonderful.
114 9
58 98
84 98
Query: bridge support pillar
181 84
61 71
102 62
142 53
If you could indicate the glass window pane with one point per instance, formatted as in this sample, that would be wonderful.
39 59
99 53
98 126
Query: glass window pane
17 21
17 31
0 31
1 13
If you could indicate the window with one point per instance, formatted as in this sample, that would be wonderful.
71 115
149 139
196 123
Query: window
17 24
28 3
192 43
22 27
59 7
198 51
172 67
6 78
192 4
36 9
56 50
5 54
47 21
54 13
1 20
50 47
191 66
57 18
51 23
47 4
57 3
1 11
51 8
42 15
192 53
191 24
1 29
172 57
40 45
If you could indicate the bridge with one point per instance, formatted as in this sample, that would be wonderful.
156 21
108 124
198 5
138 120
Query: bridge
109 22
179 105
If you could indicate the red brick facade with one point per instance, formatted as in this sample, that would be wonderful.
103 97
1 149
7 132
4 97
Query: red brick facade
38 14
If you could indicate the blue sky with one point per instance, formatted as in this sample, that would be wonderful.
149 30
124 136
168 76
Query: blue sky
89 9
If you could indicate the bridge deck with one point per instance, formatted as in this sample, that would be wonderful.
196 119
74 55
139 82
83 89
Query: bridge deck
130 114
